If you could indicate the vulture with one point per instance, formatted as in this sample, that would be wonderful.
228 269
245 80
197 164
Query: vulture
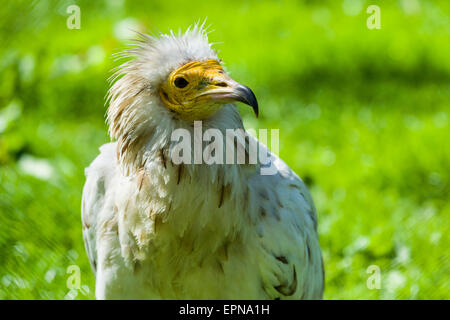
163 220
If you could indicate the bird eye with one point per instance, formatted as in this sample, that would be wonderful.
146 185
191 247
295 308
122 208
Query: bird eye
181 82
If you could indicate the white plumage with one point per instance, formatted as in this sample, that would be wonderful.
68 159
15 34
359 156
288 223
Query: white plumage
156 230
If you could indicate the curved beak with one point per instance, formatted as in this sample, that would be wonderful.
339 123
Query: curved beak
245 95
223 89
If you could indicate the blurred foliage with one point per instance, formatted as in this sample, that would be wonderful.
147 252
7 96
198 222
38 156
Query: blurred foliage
363 117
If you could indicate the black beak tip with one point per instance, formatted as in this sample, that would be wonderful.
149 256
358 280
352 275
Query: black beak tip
248 97
255 109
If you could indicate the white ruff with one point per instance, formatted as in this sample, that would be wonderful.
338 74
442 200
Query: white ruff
153 229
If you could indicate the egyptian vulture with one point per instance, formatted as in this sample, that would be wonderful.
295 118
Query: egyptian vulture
155 228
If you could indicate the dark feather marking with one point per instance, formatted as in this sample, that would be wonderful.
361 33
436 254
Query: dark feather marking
163 158
247 156
263 212
141 178
264 195
86 225
222 191
308 250
313 218
158 221
246 200
142 89
223 251
180 172
136 266
282 259
220 266
288 290
279 202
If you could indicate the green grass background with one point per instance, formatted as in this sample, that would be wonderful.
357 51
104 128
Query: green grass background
363 118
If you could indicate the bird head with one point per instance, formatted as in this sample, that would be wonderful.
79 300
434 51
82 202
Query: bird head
198 88
169 81
181 73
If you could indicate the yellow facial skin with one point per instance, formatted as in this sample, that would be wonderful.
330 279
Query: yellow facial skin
198 89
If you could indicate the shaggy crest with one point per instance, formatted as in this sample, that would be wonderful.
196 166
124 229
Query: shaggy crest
136 113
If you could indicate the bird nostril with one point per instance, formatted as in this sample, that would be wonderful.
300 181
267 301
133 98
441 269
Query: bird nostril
222 84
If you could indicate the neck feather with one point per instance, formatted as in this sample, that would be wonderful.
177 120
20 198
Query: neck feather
143 127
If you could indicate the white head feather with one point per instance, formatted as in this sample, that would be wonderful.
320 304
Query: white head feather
137 117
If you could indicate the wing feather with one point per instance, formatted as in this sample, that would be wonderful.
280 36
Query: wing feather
291 261
98 174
